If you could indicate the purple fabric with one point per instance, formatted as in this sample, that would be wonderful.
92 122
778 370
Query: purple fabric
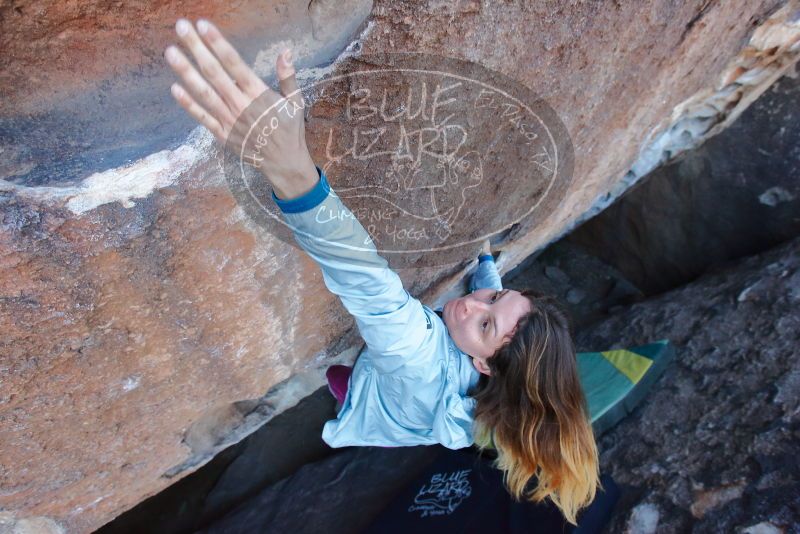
338 380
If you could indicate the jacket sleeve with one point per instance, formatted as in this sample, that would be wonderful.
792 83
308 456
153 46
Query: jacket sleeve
486 275
390 320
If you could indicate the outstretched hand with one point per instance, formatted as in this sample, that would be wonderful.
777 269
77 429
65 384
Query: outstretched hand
229 99
486 248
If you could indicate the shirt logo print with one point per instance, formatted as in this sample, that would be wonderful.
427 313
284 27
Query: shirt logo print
443 494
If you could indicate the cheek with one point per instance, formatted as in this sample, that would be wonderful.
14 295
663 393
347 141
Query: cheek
465 339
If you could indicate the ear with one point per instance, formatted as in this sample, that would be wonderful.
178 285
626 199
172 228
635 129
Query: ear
481 366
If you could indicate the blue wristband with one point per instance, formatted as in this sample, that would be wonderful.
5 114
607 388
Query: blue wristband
485 257
308 200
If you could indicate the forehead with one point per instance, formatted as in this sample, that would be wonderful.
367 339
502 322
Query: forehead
512 307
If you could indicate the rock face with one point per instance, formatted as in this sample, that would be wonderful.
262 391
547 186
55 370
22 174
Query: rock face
735 195
144 316
714 447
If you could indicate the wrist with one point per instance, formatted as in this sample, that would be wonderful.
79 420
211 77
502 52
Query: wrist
307 201
296 183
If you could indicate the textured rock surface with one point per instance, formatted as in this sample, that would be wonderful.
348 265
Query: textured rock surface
736 194
144 317
275 451
76 102
714 447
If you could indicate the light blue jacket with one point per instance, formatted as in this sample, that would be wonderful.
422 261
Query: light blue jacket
409 385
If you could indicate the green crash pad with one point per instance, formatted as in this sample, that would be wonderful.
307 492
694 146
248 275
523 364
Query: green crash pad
614 381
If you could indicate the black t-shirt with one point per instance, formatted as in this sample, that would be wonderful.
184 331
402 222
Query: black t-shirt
461 492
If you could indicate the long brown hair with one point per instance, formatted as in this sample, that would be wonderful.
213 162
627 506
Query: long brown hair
533 408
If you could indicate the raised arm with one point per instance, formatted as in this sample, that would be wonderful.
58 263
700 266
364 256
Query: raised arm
390 320
486 275
228 98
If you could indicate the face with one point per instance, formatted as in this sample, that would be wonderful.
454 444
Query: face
483 321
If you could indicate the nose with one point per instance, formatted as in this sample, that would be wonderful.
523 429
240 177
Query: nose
471 304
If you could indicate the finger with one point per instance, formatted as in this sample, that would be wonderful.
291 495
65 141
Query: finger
198 86
286 77
247 80
197 112
210 67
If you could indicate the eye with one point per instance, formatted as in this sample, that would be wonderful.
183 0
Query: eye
494 297
484 325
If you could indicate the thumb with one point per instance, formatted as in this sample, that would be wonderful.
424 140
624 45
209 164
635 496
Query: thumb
286 77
